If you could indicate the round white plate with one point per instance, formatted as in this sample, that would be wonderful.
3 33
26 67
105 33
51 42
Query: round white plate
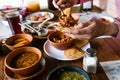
85 17
42 13
59 54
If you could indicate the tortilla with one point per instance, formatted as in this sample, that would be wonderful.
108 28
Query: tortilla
73 52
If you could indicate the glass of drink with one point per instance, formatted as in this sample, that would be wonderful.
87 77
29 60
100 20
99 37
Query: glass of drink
32 5
13 19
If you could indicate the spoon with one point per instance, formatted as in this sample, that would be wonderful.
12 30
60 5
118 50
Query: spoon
30 28
40 25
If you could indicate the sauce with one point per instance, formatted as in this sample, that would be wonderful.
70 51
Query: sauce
70 75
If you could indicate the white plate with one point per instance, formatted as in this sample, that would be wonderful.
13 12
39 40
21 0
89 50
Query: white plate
105 17
59 54
84 16
42 13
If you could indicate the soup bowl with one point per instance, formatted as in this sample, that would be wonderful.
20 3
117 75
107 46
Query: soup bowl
67 72
23 61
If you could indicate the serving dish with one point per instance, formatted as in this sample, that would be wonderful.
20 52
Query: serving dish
59 40
24 60
11 76
28 18
58 72
59 54
18 40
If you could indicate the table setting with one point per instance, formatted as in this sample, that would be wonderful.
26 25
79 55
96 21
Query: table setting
38 26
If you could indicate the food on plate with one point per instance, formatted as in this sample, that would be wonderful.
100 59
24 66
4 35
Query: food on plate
25 60
69 75
104 20
80 43
61 39
66 22
73 52
19 42
39 17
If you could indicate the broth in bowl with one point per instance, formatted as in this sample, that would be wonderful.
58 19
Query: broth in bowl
25 60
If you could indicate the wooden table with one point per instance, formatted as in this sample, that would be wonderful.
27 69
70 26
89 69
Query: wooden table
108 50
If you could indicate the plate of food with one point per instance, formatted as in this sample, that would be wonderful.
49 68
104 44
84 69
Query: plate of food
77 51
39 17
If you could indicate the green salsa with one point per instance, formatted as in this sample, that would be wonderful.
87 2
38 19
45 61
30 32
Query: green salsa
70 75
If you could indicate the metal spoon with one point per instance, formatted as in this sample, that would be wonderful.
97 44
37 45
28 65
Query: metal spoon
30 28
40 25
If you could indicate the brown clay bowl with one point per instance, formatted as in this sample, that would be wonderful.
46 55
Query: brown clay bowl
0 44
14 57
10 75
18 40
59 40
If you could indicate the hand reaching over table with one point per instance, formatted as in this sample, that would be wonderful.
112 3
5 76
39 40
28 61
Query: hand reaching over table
93 28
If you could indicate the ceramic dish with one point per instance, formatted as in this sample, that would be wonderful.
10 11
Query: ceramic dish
10 75
59 54
57 72
84 16
37 13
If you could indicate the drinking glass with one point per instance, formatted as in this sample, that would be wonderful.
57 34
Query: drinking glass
13 19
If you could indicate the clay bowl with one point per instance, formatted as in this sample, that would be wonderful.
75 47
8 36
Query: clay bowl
0 44
23 61
18 40
10 75
59 40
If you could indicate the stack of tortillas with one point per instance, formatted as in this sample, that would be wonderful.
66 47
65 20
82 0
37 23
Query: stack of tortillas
75 51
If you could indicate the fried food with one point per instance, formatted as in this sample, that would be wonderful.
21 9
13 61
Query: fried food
80 43
103 20
66 22
33 18
39 17
73 52
62 39
19 42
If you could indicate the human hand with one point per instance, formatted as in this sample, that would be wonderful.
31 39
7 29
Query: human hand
62 4
88 30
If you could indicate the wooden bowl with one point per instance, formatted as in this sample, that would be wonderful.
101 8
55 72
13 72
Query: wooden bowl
23 61
59 40
18 40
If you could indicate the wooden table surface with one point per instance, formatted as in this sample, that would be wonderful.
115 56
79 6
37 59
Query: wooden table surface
107 50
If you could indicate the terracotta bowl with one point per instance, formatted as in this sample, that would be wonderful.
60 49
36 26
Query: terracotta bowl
18 40
0 44
59 40
10 75
28 57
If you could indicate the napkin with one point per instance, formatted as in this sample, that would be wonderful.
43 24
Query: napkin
112 69
5 30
